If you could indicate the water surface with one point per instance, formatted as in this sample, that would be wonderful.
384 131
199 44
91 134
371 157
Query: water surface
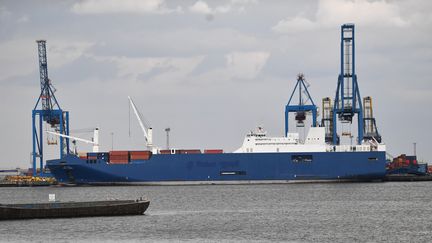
328 212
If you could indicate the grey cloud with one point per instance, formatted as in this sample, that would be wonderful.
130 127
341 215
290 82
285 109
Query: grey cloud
334 12
124 7
97 60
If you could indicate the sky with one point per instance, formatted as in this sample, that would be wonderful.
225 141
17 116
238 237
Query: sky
210 70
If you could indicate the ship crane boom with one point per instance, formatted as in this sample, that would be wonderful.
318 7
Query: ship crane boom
145 127
95 141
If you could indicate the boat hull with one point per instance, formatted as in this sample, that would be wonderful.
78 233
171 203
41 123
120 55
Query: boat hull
73 209
227 168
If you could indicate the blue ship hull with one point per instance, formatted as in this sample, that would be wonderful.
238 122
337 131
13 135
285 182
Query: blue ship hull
224 168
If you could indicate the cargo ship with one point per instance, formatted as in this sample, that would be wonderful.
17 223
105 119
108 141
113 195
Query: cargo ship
260 159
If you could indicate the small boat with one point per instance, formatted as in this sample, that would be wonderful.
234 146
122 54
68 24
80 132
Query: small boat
73 209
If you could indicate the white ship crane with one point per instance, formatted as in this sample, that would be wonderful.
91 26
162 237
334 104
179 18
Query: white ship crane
145 126
94 141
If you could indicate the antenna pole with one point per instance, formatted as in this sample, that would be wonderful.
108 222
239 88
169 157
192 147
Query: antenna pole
167 130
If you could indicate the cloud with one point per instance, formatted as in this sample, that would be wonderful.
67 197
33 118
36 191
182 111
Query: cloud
60 53
331 13
20 56
295 24
238 65
201 7
23 19
246 65
192 41
4 12
362 12
135 68
124 6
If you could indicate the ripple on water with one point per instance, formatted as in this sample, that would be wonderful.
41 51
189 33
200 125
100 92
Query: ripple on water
344 212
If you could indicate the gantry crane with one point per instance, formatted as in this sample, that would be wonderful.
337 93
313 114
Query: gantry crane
370 127
348 101
302 108
327 119
47 110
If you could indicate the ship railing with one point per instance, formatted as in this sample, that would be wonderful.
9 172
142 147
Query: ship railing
350 148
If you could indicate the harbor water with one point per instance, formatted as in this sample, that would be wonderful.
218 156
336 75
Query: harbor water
322 212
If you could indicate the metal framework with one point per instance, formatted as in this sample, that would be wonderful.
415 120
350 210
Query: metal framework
48 111
370 127
301 108
348 100
327 119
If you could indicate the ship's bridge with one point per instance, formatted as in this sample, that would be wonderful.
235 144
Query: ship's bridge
258 142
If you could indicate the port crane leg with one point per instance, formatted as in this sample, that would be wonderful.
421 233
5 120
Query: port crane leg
348 100
360 120
67 132
286 121
35 141
335 136
40 144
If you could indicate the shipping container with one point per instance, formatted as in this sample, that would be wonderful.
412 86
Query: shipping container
165 151
82 154
140 155
119 157
118 153
189 151
170 151
112 158
213 151
142 152
119 162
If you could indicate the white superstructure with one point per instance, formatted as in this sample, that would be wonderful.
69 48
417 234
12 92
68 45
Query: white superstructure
258 142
